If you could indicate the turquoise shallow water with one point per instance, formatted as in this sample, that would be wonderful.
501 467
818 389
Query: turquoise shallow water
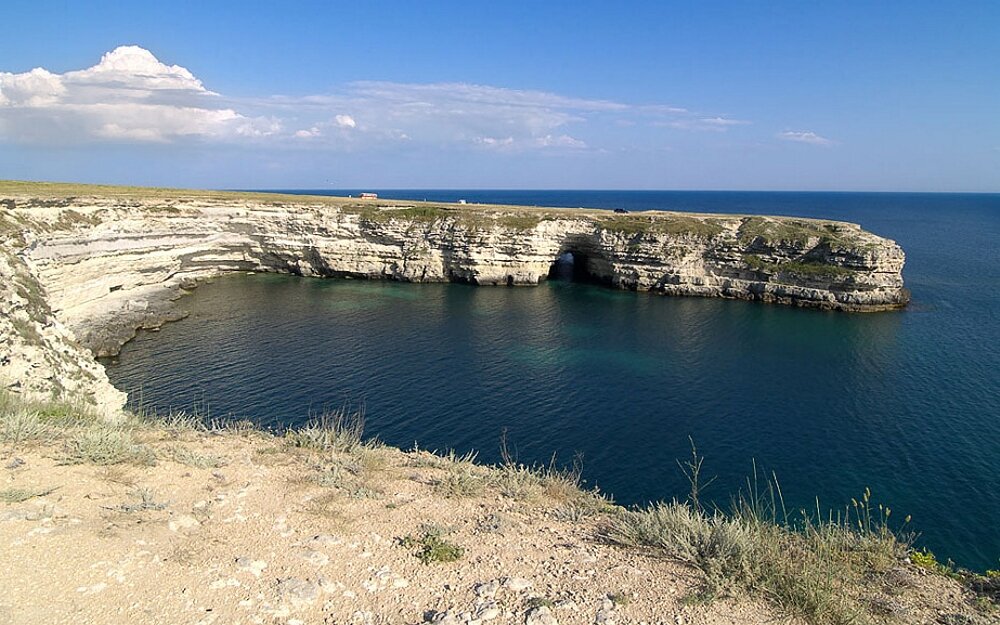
906 403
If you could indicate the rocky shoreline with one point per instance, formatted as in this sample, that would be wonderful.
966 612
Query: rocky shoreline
95 264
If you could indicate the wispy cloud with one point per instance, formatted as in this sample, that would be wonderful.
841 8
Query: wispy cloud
131 96
716 124
805 137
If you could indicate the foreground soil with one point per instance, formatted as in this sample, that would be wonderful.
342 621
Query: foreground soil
234 528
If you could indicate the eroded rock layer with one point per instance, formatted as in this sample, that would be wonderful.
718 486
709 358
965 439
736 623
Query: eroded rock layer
107 261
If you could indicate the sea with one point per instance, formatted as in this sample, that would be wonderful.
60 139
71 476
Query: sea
904 403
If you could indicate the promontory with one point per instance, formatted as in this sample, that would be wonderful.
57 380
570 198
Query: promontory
84 266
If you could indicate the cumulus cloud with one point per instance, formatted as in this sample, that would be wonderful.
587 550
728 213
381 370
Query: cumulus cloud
804 137
308 133
345 121
128 96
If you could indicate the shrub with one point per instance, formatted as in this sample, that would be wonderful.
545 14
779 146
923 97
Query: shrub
433 547
336 431
102 445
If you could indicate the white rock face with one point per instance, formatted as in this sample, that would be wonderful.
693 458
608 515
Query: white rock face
106 266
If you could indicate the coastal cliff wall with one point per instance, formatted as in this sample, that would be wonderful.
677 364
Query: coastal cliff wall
101 264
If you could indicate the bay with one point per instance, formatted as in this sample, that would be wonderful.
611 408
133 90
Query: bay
906 403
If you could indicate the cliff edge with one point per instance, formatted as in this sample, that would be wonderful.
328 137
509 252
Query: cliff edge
85 266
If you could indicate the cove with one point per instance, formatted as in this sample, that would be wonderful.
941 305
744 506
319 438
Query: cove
831 402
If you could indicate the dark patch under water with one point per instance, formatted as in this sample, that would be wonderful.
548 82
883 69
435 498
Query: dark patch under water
905 403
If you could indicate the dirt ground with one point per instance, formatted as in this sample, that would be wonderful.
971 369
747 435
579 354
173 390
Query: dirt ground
239 528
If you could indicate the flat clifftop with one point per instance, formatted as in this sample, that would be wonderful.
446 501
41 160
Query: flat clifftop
51 194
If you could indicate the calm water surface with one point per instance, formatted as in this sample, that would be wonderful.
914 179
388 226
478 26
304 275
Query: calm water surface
906 403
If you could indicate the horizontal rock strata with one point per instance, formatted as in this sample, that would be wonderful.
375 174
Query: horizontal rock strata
106 261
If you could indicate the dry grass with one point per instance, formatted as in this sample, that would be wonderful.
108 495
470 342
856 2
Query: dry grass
195 459
825 569
20 495
106 445
333 431
828 570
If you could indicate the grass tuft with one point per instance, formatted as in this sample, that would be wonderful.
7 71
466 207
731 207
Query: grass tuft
20 495
333 431
105 445
826 570
197 460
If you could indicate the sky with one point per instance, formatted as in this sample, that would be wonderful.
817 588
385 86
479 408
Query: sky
797 95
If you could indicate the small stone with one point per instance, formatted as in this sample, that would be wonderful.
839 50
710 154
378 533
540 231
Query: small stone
316 558
14 463
445 618
541 615
256 567
488 612
487 589
183 522
324 539
400 582
517 584
298 591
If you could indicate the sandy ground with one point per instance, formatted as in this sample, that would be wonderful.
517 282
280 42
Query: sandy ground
263 534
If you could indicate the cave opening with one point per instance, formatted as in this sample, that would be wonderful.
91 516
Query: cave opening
574 266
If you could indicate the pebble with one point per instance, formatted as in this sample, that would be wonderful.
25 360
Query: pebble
606 613
316 558
445 618
488 611
487 589
517 584
183 522
298 591
541 615
256 567
92 590
324 539
222 583
14 463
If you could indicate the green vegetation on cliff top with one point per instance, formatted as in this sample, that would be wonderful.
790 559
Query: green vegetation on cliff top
771 230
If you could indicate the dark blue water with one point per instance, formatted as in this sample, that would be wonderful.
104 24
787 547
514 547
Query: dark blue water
906 403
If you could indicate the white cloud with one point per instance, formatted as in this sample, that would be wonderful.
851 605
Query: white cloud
493 142
308 134
35 88
131 96
131 68
345 121
804 137
561 141
693 122
128 96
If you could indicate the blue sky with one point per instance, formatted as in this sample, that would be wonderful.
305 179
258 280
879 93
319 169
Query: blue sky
647 95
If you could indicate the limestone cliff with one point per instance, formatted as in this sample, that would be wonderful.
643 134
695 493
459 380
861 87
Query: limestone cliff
110 260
